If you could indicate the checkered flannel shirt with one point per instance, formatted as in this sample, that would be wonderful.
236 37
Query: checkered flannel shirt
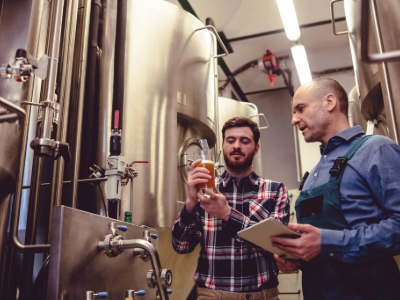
226 262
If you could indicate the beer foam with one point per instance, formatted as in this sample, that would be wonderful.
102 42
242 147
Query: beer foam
206 162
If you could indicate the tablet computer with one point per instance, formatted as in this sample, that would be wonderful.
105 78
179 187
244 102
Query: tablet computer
260 233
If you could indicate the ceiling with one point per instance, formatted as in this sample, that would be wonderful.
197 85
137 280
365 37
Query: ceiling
240 20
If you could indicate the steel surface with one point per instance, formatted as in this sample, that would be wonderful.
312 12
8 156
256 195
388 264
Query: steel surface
76 264
169 80
383 30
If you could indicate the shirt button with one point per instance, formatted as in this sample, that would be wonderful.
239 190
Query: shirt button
325 156
332 254
315 174
247 296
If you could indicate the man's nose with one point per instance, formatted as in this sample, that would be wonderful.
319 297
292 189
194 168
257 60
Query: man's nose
295 120
236 145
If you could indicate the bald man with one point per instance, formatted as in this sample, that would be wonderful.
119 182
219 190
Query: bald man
349 209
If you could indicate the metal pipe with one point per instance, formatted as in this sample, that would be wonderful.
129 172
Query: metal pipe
131 196
50 83
154 258
69 15
21 113
31 228
8 118
82 69
88 180
65 92
364 33
389 106
216 92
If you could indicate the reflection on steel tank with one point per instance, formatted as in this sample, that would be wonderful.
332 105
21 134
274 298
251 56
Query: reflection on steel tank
380 32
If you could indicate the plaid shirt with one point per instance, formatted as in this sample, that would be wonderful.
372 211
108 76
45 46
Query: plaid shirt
226 262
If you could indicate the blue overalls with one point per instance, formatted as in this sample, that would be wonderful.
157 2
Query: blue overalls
329 278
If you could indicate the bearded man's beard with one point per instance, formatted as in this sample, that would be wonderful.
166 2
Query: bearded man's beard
239 165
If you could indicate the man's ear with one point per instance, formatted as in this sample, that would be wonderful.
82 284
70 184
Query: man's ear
331 102
257 148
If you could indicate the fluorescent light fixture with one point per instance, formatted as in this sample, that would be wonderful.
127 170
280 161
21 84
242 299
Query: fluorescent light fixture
301 62
289 19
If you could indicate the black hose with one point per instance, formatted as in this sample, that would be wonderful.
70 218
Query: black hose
90 108
119 62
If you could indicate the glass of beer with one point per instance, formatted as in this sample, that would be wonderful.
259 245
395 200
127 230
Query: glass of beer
208 163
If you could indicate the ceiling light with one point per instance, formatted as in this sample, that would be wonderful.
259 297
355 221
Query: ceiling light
301 62
289 19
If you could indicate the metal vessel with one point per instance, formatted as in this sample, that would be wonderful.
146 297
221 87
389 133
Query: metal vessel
373 29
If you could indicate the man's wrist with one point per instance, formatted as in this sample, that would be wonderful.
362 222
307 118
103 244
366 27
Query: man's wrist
227 214
190 205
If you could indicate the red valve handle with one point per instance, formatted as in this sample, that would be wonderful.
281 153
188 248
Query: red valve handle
141 162
116 119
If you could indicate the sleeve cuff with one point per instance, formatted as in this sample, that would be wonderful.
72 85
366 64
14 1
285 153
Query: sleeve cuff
332 243
235 223
186 217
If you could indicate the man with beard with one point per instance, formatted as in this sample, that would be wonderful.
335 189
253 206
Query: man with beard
228 267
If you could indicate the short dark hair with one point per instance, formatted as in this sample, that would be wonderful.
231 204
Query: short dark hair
329 85
242 122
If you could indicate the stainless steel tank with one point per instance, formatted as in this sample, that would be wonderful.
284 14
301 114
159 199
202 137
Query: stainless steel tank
382 30
169 97
19 28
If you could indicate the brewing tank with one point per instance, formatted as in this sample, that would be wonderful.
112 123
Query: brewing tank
169 97
377 82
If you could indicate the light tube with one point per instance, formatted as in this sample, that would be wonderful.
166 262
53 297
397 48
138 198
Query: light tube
289 19
301 62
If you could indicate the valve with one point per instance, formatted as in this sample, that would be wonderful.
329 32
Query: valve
130 294
154 236
63 150
90 295
97 172
23 67
165 277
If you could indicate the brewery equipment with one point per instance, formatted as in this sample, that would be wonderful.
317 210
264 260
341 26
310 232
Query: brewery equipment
164 98
373 28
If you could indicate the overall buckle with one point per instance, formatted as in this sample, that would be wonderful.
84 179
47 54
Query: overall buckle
338 165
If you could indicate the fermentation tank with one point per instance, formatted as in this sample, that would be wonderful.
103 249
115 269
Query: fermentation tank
373 28
169 97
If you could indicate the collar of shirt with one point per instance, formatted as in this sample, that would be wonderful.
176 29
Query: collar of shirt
340 138
226 177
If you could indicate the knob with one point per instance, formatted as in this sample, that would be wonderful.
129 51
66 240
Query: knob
169 291
154 236
102 295
130 294
89 295
122 228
